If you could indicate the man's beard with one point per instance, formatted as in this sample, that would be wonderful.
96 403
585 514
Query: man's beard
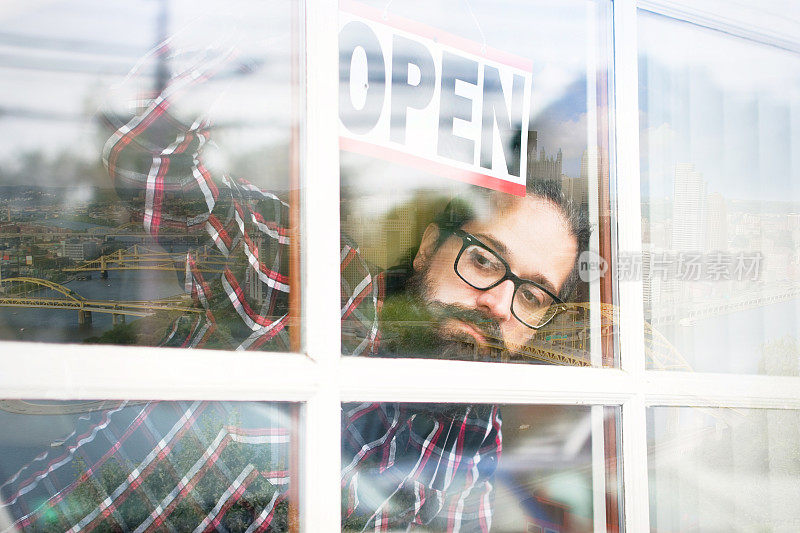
412 325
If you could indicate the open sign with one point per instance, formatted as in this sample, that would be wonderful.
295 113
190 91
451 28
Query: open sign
414 95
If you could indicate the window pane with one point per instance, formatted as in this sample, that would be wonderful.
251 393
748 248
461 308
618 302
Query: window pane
128 466
486 118
440 467
145 173
724 469
720 139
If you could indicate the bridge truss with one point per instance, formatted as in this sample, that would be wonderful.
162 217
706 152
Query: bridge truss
139 257
71 300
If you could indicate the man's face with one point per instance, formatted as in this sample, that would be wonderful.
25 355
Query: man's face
532 236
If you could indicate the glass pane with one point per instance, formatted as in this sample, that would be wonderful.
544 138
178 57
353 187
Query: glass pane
166 466
486 118
145 172
440 467
720 140
723 469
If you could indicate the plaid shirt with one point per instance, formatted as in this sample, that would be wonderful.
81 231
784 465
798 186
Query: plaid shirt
158 466
223 466
147 467
405 466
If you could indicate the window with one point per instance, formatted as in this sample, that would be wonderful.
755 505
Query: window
718 141
172 465
473 143
736 467
647 408
718 226
147 182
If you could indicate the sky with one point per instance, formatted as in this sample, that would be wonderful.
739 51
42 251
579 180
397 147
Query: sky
62 61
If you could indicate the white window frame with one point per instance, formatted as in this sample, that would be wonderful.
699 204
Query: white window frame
321 379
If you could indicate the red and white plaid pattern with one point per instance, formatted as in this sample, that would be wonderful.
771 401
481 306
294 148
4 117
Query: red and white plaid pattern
159 466
405 464
245 224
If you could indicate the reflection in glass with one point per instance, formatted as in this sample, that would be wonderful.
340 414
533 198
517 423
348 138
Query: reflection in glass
723 469
720 139
144 173
486 120
125 466
456 467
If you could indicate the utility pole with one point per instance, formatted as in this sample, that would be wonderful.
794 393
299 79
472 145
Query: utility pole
162 29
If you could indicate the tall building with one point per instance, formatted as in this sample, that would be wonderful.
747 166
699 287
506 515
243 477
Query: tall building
688 209
717 223
540 166
659 285
651 286
79 249
793 221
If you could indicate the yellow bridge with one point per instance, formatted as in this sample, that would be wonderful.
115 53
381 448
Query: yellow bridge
24 292
566 340
143 258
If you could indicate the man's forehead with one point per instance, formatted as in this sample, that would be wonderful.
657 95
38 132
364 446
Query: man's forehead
503 213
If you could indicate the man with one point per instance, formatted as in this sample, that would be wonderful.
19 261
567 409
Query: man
490 271
487 275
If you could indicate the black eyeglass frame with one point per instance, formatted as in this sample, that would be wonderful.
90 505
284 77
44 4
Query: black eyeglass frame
467 240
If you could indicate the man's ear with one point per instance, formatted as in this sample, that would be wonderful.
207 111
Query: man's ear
427 247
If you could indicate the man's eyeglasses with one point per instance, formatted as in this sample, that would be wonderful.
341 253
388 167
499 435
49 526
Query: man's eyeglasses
481 268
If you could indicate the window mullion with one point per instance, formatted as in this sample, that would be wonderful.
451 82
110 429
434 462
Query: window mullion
631 311
424 380
756 22
721 390
634 465
320 267
97 372
628 192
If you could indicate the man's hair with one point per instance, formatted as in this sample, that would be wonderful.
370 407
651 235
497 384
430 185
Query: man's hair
460 211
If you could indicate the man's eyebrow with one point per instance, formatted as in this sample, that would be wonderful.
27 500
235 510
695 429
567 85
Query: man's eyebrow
503 250
496 245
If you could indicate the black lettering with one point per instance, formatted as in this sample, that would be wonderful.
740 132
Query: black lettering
453 106
358 35
494 108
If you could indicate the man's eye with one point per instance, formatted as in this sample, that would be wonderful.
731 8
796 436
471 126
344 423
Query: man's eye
529 296
483 260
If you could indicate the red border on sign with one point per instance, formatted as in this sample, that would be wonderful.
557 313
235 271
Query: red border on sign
427 165
435 34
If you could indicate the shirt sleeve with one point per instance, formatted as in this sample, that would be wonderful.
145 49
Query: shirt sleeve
362 296
236 232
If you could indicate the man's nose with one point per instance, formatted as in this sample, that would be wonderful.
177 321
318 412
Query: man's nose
497 301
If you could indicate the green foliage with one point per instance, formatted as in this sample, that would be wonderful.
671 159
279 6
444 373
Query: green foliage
119 334
406 326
